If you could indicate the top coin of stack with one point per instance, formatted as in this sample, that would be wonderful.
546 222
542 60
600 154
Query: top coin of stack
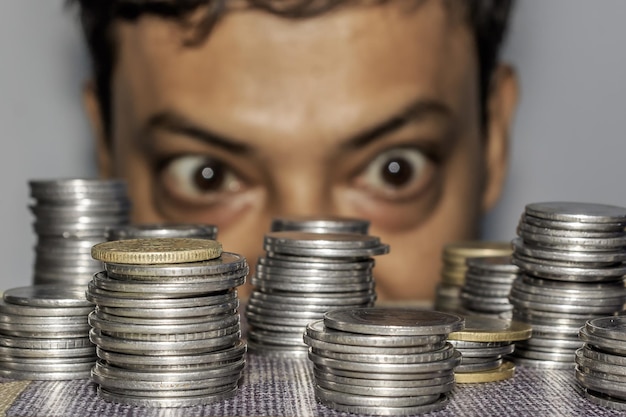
454 257
166 323
162 230
572 260
328 224
71 216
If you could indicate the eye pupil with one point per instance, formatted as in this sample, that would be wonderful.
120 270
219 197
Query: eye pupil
397 172
209 176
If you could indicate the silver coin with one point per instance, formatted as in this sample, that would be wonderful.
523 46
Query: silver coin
542 355
78 188
385 368
604 400
580 274
319 279
44 376
384 392
492 263
158 320
538 252
616 373
158 387
478 367
486 290
571 225
54 296
553 318
373 401
227 262
485 352
562 288
323 260
379 376
287 314
601 374
351 349
462 344
612 388
479 361
16 352
551 344
171 394
333 300
325 224
22 366
304 263
575 244
563 304
392 321
385 410
387 358
44 330
311 272
128 336
275 308
172 313
113 301
265 284
49 344
165 402
340 241
317 330
596 355
524 228
184 230
577 212
542 364
566 263
383 383
328 252
612 327
213 283
554 328
17 319
162 348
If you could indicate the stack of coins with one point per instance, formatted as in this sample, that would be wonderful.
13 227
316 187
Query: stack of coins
571 256
152 230
383 361
330 224
166 324
601 362
483 344
488 282
70 217
302 276
455 255
44 334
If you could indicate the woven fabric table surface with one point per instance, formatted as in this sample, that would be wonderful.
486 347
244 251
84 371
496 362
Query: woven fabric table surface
284 387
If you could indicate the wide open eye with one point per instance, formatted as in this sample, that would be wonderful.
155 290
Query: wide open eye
396 173
197 177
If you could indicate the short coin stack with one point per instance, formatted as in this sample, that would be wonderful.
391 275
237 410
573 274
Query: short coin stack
572 261
383 361
44 334
166 324
320 224
158 230
302 276
71 216
601 362
454 257
483 344
488 282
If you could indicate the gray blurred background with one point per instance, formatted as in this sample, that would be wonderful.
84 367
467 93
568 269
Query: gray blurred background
568 141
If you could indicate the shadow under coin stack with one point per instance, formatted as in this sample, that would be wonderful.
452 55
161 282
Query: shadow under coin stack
488 282
302 276
383 361
571 256
454 257
601 362
71 216
159 230
44 334
483 343
166 324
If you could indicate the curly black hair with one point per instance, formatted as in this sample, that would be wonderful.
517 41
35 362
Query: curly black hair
488 20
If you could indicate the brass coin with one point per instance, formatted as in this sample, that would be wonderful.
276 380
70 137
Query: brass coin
156 251
484 329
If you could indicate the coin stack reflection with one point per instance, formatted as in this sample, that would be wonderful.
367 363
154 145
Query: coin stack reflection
302 276
162 230
483 344
454 257
601 362
572 260
166 323
488 282
383 361
44 334
72 215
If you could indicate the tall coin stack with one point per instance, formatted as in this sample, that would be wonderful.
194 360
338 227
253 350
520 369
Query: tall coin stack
483 344
572 260
601 362
488 282
454 257
162 230
302 276
72 215
44 334
166 324
383 361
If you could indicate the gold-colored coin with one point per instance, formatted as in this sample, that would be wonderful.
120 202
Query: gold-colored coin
485 329
453 278
503 372
156 251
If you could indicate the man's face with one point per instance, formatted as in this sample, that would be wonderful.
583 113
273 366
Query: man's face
368 111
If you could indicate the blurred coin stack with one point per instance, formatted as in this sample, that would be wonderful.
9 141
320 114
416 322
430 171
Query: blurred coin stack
483 344
320 224
72 215
166 323
383 361
601 362
454 257
302 276
488 282
162 230
572 260
44 334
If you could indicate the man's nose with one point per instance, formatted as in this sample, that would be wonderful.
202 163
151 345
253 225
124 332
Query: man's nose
302 194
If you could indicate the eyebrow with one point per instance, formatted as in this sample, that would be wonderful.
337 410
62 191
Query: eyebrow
417 110
173 122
